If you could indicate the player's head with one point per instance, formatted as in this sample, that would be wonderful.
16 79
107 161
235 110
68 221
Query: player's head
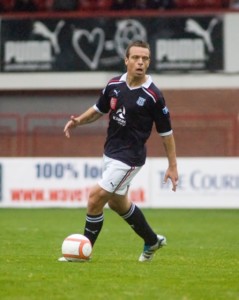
137 58
139 43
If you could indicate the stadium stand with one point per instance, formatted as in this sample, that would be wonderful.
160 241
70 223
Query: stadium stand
6 5
200 4
104 5
23 5
62 5
95 5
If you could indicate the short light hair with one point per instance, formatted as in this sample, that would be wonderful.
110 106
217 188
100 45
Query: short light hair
141 44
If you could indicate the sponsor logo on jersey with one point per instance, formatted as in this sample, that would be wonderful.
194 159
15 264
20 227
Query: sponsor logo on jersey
141 101
119 117
165 110
113 103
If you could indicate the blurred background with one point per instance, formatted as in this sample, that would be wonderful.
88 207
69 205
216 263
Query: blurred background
56 56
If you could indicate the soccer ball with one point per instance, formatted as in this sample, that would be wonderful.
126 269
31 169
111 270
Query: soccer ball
76 247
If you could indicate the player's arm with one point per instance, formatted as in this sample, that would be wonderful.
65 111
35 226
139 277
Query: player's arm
88 116
170 149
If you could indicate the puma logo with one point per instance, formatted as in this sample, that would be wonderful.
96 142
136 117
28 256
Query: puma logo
193 27
41 29
92 231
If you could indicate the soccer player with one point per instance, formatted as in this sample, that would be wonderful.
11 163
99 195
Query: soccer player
134 104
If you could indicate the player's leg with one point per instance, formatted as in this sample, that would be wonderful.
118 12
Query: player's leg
133 215
136 219
98 197
116 179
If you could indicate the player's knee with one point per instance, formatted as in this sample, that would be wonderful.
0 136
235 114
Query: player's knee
112 205
120 205
97 200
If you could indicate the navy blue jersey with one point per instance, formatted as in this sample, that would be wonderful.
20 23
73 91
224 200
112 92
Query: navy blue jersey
132 113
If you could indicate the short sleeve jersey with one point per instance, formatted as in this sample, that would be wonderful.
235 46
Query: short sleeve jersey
132 113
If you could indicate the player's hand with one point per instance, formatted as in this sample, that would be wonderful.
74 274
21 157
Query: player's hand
70 125
172 174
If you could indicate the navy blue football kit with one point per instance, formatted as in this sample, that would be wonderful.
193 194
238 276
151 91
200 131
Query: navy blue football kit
132 114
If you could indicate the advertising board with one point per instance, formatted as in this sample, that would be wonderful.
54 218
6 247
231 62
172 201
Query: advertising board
65 182
178 43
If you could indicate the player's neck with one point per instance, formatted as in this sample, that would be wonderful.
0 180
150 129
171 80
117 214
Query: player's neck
136 81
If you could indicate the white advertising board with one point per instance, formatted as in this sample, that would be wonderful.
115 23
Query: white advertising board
65 182
55 182
203 183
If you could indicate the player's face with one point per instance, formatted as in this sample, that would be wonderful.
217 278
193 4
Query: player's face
138 61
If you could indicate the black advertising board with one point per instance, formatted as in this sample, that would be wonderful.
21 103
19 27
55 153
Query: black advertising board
181 44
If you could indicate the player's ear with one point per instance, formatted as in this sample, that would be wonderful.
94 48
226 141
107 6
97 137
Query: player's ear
126 60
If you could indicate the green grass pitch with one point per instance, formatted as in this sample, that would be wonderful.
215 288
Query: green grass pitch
200 262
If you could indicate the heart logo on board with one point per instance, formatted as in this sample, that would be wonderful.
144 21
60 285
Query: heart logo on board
95 36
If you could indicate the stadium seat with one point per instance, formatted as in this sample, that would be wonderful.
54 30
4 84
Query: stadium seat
213 3
7 5
87 5
199 3
63 5
44 5
104 4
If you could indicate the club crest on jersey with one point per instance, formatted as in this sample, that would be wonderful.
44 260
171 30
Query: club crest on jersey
113 102
141 101
165 110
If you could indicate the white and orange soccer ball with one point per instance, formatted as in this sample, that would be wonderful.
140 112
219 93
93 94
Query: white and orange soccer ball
76 247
